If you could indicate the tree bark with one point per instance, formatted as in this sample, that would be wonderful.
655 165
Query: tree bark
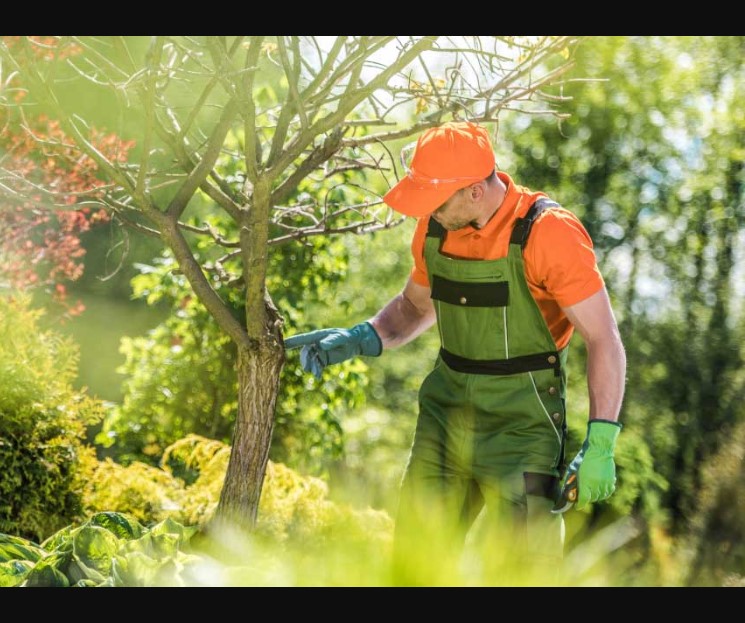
259 367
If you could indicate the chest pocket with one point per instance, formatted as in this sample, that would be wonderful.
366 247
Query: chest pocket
470 294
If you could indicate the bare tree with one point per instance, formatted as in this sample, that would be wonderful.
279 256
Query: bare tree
284 111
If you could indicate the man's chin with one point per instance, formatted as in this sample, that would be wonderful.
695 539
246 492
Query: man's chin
457 227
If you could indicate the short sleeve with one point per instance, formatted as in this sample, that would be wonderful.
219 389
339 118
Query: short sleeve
560 258
419 271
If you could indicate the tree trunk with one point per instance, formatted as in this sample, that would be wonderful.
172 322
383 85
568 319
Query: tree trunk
259 368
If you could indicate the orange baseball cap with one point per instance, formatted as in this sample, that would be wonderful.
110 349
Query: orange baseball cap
446 159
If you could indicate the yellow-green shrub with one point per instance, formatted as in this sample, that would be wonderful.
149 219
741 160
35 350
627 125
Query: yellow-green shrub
43 459
292 506
147 493
187 457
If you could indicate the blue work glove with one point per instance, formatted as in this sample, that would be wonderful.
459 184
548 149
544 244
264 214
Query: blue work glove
594 466
327 346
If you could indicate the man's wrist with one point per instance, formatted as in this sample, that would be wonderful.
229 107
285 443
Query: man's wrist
371 344
600 419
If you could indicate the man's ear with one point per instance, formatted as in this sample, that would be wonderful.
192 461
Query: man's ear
476 191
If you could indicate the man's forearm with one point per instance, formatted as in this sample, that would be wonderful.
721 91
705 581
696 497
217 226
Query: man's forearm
606 376
400 321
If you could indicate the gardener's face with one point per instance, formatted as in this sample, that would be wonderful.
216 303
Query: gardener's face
456 212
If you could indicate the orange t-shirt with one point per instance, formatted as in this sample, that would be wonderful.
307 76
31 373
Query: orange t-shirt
560 265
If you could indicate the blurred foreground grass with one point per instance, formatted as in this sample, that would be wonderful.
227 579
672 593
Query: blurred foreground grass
148 526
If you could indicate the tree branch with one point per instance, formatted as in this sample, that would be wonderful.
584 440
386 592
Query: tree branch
148 101
179 147
249 116
333 119
199 282
199 173
293 73
326 68
317 157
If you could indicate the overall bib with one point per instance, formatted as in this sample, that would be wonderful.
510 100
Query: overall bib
492 421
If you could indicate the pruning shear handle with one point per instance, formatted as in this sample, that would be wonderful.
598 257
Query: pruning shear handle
568 495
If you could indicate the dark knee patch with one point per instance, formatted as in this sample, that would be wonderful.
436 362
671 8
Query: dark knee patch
541 485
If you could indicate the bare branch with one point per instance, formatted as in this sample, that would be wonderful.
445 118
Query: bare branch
347 65
199 174
326 68
196 109
148 231
249 116
324 228
316 157
222 195
345 106
293 73
210 231
435 89
102 58
148 100
199 282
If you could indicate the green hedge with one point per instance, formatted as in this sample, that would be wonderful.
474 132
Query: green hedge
43 459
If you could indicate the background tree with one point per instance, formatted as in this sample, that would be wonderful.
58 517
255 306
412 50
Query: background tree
653 163
289 110
40 247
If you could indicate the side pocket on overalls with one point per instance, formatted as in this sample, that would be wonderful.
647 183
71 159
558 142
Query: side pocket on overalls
550 404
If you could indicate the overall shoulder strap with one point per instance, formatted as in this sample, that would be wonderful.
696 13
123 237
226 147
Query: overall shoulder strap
523 225
435 230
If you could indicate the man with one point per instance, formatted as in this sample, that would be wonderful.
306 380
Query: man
507 275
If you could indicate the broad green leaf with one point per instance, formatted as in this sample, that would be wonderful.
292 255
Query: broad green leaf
14 572
169 526
86 582
76 572
17 548
93 548
47 572
166 544
181 570
134 569
58 540
120 524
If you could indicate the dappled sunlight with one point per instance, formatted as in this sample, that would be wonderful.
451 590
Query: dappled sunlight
174 209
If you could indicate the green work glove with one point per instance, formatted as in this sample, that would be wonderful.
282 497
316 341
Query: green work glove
594 465
326 346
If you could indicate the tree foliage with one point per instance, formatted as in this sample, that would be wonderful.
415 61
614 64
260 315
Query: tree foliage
39 246
653 163
288 111
180 377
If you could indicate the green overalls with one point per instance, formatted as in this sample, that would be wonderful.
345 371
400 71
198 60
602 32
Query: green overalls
492 421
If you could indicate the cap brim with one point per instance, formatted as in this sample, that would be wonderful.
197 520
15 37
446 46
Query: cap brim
412 199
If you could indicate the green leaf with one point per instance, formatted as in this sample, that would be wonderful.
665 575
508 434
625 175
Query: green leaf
58 540
86 582
93 549
165 544
120 524
14 572
134 569
16 548
169 526
47 572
